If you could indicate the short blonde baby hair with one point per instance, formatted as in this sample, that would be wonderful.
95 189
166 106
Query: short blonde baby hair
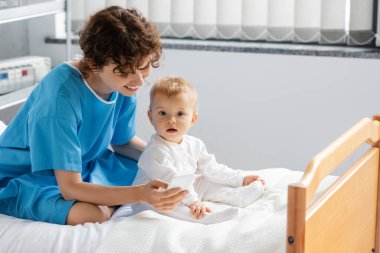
172 86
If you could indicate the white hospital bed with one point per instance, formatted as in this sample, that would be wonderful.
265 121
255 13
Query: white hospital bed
260 228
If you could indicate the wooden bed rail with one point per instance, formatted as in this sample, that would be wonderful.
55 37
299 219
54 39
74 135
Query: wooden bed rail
311 224
365 131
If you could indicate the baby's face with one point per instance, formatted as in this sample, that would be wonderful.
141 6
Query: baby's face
172 116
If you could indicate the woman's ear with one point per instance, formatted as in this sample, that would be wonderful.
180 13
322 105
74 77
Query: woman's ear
91 64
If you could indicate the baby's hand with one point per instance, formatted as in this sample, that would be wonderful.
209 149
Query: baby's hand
198 209
252 178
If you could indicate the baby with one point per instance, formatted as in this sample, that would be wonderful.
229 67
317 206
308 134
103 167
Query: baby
172 153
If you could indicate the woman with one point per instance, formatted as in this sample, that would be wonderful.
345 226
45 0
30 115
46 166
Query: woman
55 161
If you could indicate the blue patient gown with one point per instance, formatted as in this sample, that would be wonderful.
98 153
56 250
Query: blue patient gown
63 125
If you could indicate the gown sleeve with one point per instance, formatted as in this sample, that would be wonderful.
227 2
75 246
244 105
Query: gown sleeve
53 139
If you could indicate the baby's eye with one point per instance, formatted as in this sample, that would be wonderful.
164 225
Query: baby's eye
162 113
180 114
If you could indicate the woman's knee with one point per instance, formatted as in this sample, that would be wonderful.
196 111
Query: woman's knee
82 212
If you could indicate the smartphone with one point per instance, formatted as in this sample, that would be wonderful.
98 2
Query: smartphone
184 182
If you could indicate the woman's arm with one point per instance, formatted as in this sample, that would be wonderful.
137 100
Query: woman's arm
72 187
132 149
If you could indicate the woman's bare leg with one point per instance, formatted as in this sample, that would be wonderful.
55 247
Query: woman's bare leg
82 212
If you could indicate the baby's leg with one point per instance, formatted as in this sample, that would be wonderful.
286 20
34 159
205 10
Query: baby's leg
240 196
182 212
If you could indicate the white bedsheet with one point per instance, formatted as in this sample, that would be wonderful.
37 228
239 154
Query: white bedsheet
17 235
24 236
261 228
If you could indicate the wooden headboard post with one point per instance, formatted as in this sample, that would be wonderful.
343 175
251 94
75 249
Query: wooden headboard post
377 242
335 221
296 217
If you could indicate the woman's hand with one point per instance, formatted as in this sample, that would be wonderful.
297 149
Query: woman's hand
252 178
198 209
162 200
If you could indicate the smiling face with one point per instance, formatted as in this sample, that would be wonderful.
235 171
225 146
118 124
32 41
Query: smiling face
172 116
128 84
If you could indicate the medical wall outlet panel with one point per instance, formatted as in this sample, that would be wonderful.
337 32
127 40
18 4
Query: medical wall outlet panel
21 72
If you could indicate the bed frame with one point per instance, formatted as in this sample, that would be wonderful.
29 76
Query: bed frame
346 217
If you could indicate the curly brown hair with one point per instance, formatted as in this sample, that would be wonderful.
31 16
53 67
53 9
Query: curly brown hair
120 36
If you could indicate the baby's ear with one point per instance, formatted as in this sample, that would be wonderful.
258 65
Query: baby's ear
194 119
150 116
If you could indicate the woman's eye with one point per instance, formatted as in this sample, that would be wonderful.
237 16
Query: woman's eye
123 74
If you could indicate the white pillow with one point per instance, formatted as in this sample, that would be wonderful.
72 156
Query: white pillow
2 126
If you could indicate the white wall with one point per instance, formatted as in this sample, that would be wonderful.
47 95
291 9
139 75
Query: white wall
263 110
260 110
